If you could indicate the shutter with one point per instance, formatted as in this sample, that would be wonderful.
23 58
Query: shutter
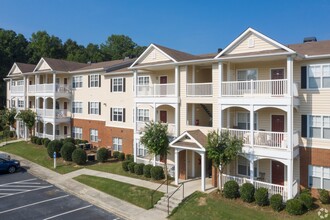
124 84
110 114
124 114
303 125
89 105
111 85
99 108
99 80
303 77
89 81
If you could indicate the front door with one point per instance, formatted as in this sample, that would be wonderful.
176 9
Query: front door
277 85
65 105
277 172
163 88
65 81
277 126
163 116
182 165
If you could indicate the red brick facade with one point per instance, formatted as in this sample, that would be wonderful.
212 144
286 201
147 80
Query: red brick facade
105 134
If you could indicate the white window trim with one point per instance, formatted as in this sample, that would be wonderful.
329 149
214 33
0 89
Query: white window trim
122 114
113 84
97 79
82 107
308 127
137 114
321 77
322 177
96 135
247 166
255 118
115 144
97 108
277 68
74 133
138 81
256 69
82 82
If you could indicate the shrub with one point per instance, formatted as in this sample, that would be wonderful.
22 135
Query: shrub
33 139
261 196
307 200
157 173
230 189
102 154
324 196
116 154
247 192
276 202
79 156
138 168
11 134
67 150
125 165
121 156
146 170
129 157
54 146
39 141
46 142
294 207
131 166
69 139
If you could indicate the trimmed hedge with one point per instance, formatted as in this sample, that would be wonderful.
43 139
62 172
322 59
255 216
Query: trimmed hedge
247 192
307 200
79 156
294 207
67 150
39 141
69 139
46 142
131 166
102 155
129 157
54 146
276 202
146 170
121 156
138 168
116 154
125 165
261 196
324 196
230 189
157 173
33 139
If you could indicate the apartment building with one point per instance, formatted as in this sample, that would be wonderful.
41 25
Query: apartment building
271 95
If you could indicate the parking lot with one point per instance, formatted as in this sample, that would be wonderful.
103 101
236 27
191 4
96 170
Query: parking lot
24 196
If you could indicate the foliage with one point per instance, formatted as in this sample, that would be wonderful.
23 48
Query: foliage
324 196
261 196
131 166
67 150
28 117
69 139
118 47
247 192
10 116
33 139
121 156
79 156
102 154
129 157
125 165
147 170
157 173
230 189
307 200
115 154
294 207
46 142
39 141
276 202
54 146
138 168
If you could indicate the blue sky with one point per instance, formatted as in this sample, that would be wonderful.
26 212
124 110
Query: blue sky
195 26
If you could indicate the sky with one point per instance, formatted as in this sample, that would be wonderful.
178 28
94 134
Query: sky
195 26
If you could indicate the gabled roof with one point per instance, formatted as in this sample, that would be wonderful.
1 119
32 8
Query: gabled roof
312 48
109 65
197 140
21 67
60 65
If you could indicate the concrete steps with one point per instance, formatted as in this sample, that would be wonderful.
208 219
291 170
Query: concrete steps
162 203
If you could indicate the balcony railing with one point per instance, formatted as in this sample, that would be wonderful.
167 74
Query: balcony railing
255 87
48 88
156 90
49 113
140 127
17 89
199 89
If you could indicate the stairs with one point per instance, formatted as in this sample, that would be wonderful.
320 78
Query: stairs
208 112
162 203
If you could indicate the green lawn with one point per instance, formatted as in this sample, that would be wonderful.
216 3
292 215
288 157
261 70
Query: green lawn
213 206
136 195
38 154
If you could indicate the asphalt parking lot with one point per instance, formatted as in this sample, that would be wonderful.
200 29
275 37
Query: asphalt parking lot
24 196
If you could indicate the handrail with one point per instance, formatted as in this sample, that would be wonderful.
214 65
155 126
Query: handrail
168 198
153 192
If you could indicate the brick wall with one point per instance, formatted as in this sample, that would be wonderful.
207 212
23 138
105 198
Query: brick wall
105 134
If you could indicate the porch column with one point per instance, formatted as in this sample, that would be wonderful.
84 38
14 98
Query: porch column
155 113
44 106
135 143
193 163
154 160
252 125
220 66
177 120
176 162
289 63
193 114
25 132
290 178
251 167
203 171
177 81
36 104
135 82
44 129
25 93
220 117
17 129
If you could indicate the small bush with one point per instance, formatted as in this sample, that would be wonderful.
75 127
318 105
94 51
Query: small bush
12 134
116 154
324 196
247 192
102 155
138 168
33 139
129 157
54 146
39 141
294 207
79 156
307 200
67 150
157 173
125 165
121 156
131 166
230 189
276 202
261 196
146 170
46 142
69 139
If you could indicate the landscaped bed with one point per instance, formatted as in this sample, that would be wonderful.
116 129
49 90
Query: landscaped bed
136 195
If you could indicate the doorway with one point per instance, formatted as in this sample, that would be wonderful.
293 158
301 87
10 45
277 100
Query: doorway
277 172
277 86
182 165
163 88
163 116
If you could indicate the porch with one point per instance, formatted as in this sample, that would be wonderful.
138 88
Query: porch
53 131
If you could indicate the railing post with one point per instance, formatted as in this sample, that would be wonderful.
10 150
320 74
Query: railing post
251 87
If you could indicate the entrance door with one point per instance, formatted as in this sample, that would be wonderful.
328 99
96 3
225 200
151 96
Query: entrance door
277 126
65 105
277 86
277 172
163 88
163 116
182 164
65 81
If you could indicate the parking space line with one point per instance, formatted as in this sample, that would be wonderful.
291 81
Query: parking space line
22 186
12 189
85 207
27 191
18 182
32 204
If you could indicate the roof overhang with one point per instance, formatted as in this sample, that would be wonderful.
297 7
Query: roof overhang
193 144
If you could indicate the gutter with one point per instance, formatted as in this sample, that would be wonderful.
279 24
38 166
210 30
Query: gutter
317 56
175 64
255 56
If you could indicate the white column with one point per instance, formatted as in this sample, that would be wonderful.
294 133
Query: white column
154 160
135 82
135 149
177 83
25 93
193 113
220 66
193 74
186 164
251 168
44 129
44 106
290 178
252 125
289 63
177 119
193 163
228 117
176 161
17 129
155 113
203 172
220 117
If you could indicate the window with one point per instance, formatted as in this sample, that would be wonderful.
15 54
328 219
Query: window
94 135
117 144
143 115
247 75
77 133
243 167
319 76
77 107
20 82
243 120
117 114
143 80
13 103
77 82
94 108
141 151
20 103
94 80
319 126
319 177
117 85
13 83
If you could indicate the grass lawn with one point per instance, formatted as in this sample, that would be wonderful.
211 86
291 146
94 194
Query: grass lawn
38 154
213 206
136 195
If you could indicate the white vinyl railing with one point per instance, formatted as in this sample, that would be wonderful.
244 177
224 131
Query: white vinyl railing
270 139
140 127
239 133
156 90
48 88
199 89
295 138
255 87
171 129
295 188
49 113
17 89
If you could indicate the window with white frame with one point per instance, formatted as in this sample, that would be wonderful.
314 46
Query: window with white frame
143 80
20 82
77 82
77 133
20 103
319 76
243 120
319 126
94 80
77 107
13 103
117 114
117 84
246 75
243 167
13 83
319 177
94 108
143 115
117 144
141 151
94 135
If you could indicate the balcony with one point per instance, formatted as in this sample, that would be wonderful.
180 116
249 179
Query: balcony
17 89
48 88
140 127
48 113
156 90
199 89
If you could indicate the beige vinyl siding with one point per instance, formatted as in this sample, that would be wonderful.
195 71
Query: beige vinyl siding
170 113
43 66
296 168
264 167
153 56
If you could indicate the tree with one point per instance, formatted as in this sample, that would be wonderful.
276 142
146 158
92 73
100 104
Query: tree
10 116
118 47
28 117
156 141
75 52
222 149
93 53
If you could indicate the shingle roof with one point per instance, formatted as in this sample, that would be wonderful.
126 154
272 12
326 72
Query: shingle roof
109 64
199 136
63 65
25 68
177 55
312 48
